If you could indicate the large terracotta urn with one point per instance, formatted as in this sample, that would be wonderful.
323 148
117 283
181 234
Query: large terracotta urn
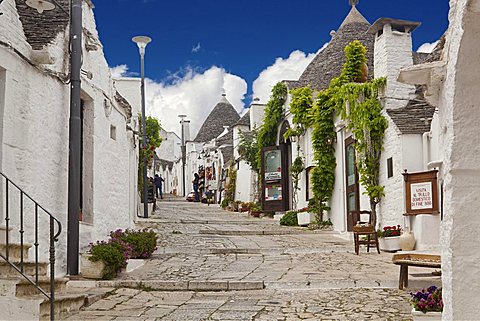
407 241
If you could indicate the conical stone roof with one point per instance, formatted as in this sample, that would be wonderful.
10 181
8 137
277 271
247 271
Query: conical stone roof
223 114
328 63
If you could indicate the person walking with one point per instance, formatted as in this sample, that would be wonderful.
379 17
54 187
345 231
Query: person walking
158 180
195 187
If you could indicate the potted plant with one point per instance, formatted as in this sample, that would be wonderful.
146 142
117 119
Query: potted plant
305 216
389 238
427 304
255 210
289 219
140 243
105 259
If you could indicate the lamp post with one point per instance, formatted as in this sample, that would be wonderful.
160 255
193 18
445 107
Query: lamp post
182 120
142 42
75 125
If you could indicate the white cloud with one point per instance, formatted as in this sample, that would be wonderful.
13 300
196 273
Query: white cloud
119 71
427 47
290 68
196 48
194 94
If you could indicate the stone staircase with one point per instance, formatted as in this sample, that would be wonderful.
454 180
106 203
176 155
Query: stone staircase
20 300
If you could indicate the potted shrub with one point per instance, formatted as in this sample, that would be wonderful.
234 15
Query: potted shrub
289 219
141 243
255 210
305 217
389 238
105 259
427 304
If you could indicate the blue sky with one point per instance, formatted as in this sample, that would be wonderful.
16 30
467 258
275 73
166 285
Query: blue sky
240 37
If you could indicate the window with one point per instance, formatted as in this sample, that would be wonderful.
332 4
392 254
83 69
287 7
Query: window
113 132
398 28
390 167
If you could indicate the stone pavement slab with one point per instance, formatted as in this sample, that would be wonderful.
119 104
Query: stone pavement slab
256 269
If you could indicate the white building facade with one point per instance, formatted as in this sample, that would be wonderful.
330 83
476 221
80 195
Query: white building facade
34 136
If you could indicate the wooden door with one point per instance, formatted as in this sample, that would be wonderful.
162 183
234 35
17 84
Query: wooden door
275 178
351 177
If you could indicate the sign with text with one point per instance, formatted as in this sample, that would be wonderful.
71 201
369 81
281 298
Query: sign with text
421 197
421 193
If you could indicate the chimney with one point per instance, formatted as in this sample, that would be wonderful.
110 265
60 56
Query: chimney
257 113
186 130
393 51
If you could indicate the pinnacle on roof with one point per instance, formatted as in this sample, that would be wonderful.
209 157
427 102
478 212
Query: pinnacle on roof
354 16
328 63
223 114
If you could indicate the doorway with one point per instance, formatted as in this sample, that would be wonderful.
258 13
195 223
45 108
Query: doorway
352 185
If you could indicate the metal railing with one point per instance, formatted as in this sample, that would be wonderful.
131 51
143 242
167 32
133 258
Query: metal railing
10 190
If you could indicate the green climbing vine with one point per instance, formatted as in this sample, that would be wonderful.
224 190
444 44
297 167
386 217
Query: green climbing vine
356 101
267 135
298 166
248 148
300 107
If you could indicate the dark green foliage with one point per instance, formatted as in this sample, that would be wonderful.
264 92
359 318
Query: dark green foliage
143 242
153 141
267 135
248 149
295 170
224 204
230 188
289 219
112 254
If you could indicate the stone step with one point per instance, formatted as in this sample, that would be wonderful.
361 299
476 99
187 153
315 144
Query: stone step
15 250
197 286
20 287
38 307
28 268
25 288
65 304
3 234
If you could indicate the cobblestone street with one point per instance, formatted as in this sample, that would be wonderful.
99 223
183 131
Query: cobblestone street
218 265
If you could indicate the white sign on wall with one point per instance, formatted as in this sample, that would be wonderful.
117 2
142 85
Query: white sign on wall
421 196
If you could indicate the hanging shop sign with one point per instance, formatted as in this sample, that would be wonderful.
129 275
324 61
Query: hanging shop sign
421 192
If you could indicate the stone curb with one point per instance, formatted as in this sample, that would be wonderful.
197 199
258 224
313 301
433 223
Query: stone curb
184 285
224 232
332 285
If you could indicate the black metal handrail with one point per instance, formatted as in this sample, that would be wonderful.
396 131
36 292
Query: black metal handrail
53 237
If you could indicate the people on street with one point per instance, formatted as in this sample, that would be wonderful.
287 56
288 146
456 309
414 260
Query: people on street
195 187
158 181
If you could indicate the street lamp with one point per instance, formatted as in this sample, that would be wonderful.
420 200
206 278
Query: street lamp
142 42
75 125
182 120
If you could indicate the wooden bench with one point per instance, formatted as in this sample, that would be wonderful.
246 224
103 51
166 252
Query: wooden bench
414 259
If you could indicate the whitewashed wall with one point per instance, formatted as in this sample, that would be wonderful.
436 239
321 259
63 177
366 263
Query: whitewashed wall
34 135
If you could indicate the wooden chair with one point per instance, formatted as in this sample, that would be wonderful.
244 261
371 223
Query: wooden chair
364 228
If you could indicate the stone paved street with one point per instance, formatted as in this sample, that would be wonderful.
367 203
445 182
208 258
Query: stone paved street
217 265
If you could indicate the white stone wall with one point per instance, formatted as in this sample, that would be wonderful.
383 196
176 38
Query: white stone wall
391 208
393 51
34 135
459 118
243 188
